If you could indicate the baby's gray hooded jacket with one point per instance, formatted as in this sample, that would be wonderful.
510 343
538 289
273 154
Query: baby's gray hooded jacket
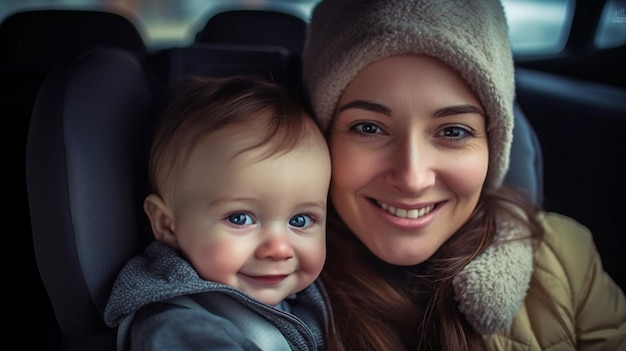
159 302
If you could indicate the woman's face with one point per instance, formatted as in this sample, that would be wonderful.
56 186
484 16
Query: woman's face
409 156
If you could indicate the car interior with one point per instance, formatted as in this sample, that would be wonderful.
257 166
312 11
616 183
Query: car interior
80 88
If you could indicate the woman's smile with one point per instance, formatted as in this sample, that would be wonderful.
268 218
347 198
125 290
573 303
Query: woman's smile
412 220
411 213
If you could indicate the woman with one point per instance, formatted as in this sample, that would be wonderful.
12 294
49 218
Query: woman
426 248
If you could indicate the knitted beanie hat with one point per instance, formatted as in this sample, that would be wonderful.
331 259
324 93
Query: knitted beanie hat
470 36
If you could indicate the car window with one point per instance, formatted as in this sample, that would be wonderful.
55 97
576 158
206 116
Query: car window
612 27
538 27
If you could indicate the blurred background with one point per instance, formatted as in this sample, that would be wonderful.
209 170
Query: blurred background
535 26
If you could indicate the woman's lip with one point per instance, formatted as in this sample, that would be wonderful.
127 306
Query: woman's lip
404 205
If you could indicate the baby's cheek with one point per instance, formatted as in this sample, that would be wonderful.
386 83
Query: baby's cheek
312 259
217 262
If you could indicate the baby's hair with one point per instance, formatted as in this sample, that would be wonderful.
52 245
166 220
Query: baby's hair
198 106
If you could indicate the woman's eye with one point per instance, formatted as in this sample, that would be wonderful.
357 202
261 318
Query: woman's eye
456 132
301 221
366 128
240 219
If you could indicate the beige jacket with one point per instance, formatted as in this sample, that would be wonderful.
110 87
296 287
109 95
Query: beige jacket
592 307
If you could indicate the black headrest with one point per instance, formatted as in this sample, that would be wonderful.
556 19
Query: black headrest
35 41
219 60
258 27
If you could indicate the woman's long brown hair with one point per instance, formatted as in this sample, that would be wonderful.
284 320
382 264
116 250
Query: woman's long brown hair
378 307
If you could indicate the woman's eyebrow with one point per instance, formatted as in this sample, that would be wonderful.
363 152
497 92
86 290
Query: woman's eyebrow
366 105
382 109
458 110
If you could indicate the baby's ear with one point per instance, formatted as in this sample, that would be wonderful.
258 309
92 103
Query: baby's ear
161 220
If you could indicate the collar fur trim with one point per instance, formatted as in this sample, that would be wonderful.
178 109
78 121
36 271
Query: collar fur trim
491 288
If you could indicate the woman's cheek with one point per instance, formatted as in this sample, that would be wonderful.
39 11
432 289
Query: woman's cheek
350 168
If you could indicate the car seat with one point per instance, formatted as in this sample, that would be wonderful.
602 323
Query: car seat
33 42
525 171
86 172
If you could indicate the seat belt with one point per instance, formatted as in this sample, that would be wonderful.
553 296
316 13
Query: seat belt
252 325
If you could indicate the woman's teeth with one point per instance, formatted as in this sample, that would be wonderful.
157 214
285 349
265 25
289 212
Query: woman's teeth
404 213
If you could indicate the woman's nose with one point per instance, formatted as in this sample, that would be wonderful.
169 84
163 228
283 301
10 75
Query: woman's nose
411 170
275 245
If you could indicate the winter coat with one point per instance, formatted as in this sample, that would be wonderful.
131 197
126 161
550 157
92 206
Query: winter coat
569 293
159 302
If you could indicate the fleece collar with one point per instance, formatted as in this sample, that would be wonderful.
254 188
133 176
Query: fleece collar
491 288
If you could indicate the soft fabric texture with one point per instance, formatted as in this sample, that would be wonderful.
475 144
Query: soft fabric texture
470 36
491 288
569 275
146 291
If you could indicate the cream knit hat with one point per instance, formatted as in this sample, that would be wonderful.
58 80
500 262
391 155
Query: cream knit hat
470 36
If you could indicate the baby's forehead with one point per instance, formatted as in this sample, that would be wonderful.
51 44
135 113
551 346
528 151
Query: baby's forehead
258 138
268 125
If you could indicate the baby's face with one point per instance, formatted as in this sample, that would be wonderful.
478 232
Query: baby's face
256 225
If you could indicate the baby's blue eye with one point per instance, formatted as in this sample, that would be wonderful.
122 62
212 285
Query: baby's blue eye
240 219
301 221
